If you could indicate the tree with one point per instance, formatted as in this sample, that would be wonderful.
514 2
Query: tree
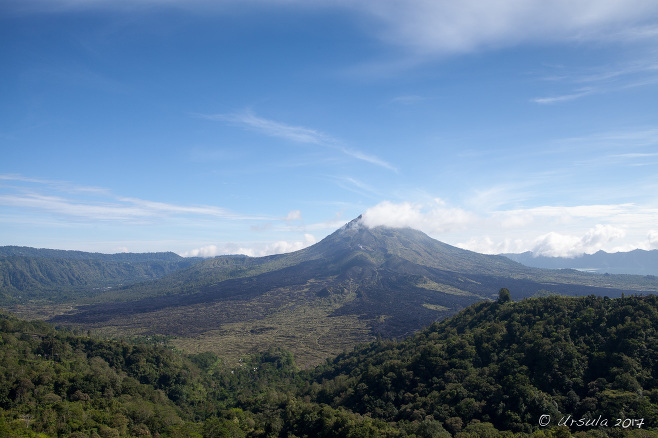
504 296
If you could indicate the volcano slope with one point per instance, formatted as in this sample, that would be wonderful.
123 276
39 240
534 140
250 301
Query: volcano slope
356 284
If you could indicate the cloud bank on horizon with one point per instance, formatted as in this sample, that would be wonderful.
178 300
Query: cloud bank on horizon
258 127
436 219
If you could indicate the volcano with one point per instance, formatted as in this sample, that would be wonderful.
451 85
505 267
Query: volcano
356 284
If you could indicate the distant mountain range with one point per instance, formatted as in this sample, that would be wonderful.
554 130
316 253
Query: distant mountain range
637 262
352 286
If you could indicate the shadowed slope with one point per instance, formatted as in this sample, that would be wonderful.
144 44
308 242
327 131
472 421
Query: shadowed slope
354 284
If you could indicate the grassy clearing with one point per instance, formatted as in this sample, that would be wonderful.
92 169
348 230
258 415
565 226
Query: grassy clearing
304 327
436 307
40 311
431 285
305 332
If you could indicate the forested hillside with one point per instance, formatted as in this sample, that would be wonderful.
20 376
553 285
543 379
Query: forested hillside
508 363
29 275
60 383
494 369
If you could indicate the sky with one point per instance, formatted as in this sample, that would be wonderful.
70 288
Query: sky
260 127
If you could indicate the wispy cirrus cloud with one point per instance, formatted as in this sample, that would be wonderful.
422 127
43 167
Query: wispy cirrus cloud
601 79
298 134
636 155
272 128
636 137
629 147
94 203
372 159
62 186
357 186
112 209
564 97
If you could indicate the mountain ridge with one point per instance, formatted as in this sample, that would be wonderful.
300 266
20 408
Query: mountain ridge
352 286
26 251
635 262
31 274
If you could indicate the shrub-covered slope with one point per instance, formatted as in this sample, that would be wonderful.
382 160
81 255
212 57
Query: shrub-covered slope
492 370
509 363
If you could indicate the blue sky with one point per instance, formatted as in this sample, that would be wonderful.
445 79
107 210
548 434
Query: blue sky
214 127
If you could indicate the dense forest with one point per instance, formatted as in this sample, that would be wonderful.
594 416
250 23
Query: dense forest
494 369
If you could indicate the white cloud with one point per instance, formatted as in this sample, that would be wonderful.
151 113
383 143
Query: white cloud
599 235
205 252
565 231
445 26
293 215
560 245
432 219
554 244
486 245
653 239
252 250
282 246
